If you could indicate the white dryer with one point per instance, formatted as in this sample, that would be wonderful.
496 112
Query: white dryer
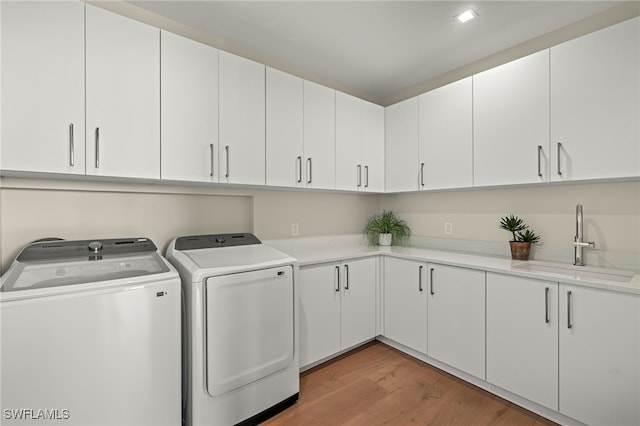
241 328
90 335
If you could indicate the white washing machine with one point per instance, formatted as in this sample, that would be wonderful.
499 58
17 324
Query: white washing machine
241 328
90 335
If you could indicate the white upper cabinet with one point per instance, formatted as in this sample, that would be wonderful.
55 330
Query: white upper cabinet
284 130
401 146
511 122
372 147
319 136
242 120
189 110
595 105
43 87
123 96
446 136
348 142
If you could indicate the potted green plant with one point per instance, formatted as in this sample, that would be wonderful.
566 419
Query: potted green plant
386 228
522 236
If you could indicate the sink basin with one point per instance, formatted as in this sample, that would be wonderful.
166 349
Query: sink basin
577 272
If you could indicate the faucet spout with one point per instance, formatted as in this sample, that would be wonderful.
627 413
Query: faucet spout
579 244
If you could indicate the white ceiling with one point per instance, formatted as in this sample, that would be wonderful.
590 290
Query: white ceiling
373 49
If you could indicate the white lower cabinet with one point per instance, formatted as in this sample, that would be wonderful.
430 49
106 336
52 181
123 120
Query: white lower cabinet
456 317
522 337
599 356
337 307
405 302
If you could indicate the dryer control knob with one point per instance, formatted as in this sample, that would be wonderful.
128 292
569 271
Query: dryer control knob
220 240
95 246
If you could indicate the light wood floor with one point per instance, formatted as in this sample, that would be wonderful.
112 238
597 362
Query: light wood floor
378 385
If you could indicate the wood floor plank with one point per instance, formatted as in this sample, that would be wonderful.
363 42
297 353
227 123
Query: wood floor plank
379 385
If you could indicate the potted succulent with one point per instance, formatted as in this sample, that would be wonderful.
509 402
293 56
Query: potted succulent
522 236
386 228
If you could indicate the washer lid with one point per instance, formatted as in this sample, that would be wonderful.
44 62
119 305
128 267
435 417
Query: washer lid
61 263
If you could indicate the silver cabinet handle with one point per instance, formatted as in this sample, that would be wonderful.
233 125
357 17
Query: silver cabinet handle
337 287
569 324
539 166
359 176
431 282
420 279
226 148
309 175
299 169
422 174
346 277
97 147
366 176
559 148
211 152
546 305
72 147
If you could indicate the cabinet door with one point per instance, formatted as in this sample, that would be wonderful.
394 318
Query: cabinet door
599 356
242 120
522 337
123 96
284 132
189 106
595 105
405 303
456 320
446 136
511 122
319 312
358 302
372 147
43 87
349 172
401 146
319 136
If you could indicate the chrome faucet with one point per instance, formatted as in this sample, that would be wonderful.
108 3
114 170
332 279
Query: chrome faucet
578 243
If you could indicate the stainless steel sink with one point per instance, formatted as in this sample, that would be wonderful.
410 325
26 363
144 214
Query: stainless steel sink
577 273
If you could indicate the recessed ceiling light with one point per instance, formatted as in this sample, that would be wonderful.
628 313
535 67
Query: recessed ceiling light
467 15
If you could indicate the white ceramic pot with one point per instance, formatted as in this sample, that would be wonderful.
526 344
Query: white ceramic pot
384 239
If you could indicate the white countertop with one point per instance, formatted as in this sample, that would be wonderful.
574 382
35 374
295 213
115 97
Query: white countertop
311 251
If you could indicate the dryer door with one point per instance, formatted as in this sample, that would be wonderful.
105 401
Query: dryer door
250 327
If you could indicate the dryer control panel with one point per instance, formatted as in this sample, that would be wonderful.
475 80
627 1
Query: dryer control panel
215 240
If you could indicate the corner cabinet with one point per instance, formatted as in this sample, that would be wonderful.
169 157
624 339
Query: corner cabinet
122 96
42 87
511 122
337 307
189 110
599 356
401 146
522 337
595 105
241 147
405 302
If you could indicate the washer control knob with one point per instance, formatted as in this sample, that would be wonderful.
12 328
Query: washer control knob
220 240
95 246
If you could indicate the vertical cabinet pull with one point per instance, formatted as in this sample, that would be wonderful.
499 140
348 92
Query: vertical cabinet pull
420 278
366 176
72 146
226 148
299 169
359 175
337 287
346 277
546 305
569 324
431 282
559 148
422 174
539 159
97 147
309 171
211 152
